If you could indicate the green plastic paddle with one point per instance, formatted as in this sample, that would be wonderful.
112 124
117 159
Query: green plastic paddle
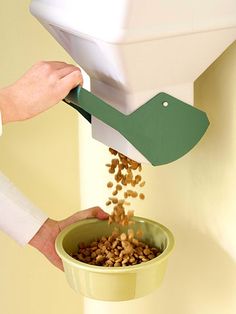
163 129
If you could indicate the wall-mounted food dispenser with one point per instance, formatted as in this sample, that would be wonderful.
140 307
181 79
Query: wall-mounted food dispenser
140 52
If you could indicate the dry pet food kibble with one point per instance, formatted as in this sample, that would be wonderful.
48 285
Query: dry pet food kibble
141 196
120 249
125 174
116 250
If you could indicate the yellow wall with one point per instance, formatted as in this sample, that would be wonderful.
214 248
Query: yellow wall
195 197
41 157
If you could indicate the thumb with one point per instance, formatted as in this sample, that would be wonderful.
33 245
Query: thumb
99 213
71 80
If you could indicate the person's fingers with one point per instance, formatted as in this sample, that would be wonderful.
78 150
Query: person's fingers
49 66
55 260
71 80
94 212
59 265
53 65
62 72
59 63
99 213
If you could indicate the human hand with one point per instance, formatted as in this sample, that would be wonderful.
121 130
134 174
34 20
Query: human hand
41 87
44 239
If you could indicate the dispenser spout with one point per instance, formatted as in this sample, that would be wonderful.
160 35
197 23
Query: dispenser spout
163 129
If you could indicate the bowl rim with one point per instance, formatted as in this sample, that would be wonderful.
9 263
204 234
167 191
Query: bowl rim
113 270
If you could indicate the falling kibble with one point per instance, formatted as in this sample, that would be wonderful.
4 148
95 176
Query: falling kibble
123 249
118 187
123 169
141 196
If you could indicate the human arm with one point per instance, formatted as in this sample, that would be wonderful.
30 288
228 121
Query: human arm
45 84
19 218
41 87
25 223
44 239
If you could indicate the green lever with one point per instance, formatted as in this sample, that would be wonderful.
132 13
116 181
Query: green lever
163 129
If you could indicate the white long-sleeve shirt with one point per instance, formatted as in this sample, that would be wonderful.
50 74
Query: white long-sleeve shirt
19 218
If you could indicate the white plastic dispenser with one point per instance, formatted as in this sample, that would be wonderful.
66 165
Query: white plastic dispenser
134 50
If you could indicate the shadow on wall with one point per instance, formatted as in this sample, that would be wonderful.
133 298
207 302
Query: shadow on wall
195 198
199 189
199 277
213 163
191 284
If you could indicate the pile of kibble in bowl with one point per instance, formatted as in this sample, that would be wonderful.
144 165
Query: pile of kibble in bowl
120 249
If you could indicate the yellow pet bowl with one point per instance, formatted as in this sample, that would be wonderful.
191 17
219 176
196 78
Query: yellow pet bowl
113 283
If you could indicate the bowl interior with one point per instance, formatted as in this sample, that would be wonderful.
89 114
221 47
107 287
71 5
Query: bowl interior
86 231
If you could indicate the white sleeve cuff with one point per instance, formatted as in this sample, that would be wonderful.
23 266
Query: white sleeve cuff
19 218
